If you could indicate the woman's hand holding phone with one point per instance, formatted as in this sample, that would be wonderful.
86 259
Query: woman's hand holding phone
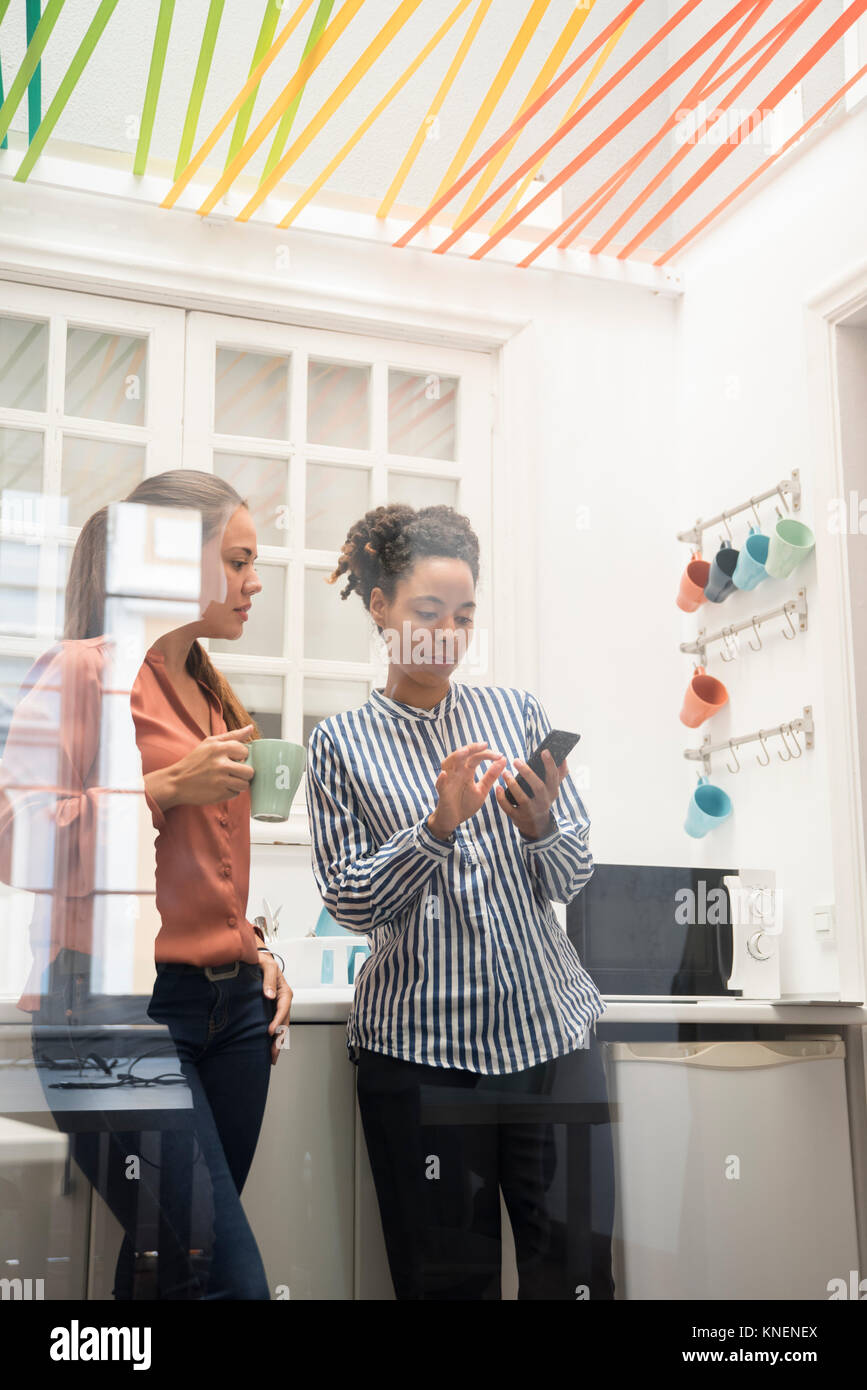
459 795
215 770
532 815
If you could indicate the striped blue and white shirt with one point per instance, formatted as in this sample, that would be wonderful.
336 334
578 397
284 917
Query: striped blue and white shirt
469 966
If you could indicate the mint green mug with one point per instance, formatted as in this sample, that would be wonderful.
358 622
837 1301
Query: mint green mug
277 766
790 544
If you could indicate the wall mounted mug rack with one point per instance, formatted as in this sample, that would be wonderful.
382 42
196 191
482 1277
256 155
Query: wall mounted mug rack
789 487
726 635
783 731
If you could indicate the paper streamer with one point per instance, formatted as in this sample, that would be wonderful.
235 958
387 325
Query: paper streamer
428 123
320 19
200 82
155 80
374 115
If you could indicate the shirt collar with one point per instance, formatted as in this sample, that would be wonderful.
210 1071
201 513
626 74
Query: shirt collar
398 710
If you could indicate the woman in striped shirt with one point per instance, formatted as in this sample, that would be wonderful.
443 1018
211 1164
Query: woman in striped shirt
473 1019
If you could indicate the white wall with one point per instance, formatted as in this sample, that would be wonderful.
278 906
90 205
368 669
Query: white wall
743 422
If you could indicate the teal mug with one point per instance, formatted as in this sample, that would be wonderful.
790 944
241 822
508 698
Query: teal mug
791 542
750 568
708 807
277 766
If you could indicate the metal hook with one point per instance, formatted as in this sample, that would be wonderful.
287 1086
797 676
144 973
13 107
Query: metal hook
737 766
787 609
726 525
783 497
788 756
795 740
728 637
756 631
765 749
755 513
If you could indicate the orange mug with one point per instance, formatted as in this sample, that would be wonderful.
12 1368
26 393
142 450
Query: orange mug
705 695
692 584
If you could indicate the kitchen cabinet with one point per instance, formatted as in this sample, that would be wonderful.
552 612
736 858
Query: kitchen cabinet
299 1196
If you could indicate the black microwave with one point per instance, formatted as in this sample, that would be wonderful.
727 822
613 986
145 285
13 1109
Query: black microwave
643 930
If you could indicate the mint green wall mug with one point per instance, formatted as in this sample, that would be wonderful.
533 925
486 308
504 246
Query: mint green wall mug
278 766
790 544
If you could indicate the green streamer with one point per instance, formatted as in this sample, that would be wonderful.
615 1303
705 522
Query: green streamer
323 14
263 43
79 62
29 63
34 89
200 81
155 79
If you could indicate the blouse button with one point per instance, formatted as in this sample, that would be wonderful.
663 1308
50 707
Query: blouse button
233 921
224 820
226 870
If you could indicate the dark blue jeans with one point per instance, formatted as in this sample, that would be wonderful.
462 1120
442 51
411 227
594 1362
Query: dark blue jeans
186 1234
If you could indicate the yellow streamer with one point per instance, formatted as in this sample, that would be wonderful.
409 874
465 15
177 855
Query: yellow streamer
546 76
495 91
594 72
225 120
308 65
374 115
433 110
326 111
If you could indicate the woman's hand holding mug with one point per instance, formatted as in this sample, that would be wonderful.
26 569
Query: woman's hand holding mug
215 770
459 795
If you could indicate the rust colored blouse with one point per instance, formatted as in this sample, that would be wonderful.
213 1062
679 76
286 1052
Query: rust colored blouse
203 852
57 816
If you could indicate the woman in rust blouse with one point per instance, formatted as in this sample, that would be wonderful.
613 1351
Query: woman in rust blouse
218 991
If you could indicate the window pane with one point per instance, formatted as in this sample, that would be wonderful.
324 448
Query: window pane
334 629
337 405
264 483
106 376
96 471
262 697
335 498
13 669
19 567
325 697
20 466
251 394
419 491
265 629
23 363
421 414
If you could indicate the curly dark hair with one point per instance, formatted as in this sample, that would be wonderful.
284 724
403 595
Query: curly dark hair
385 544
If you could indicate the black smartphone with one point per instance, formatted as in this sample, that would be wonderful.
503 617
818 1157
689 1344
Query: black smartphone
558 743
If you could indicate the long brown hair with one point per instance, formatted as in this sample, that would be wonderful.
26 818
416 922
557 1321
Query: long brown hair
85 589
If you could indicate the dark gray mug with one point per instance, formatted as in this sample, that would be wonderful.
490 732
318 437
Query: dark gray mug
719 584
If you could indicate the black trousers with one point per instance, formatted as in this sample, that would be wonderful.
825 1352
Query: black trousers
443 1143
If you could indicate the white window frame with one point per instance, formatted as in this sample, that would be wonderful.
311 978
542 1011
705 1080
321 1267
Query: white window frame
160 435
472 470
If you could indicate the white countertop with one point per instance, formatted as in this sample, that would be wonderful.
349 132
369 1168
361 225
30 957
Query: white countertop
330 1004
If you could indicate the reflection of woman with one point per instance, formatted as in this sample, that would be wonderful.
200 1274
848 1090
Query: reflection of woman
217 990
473 1002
